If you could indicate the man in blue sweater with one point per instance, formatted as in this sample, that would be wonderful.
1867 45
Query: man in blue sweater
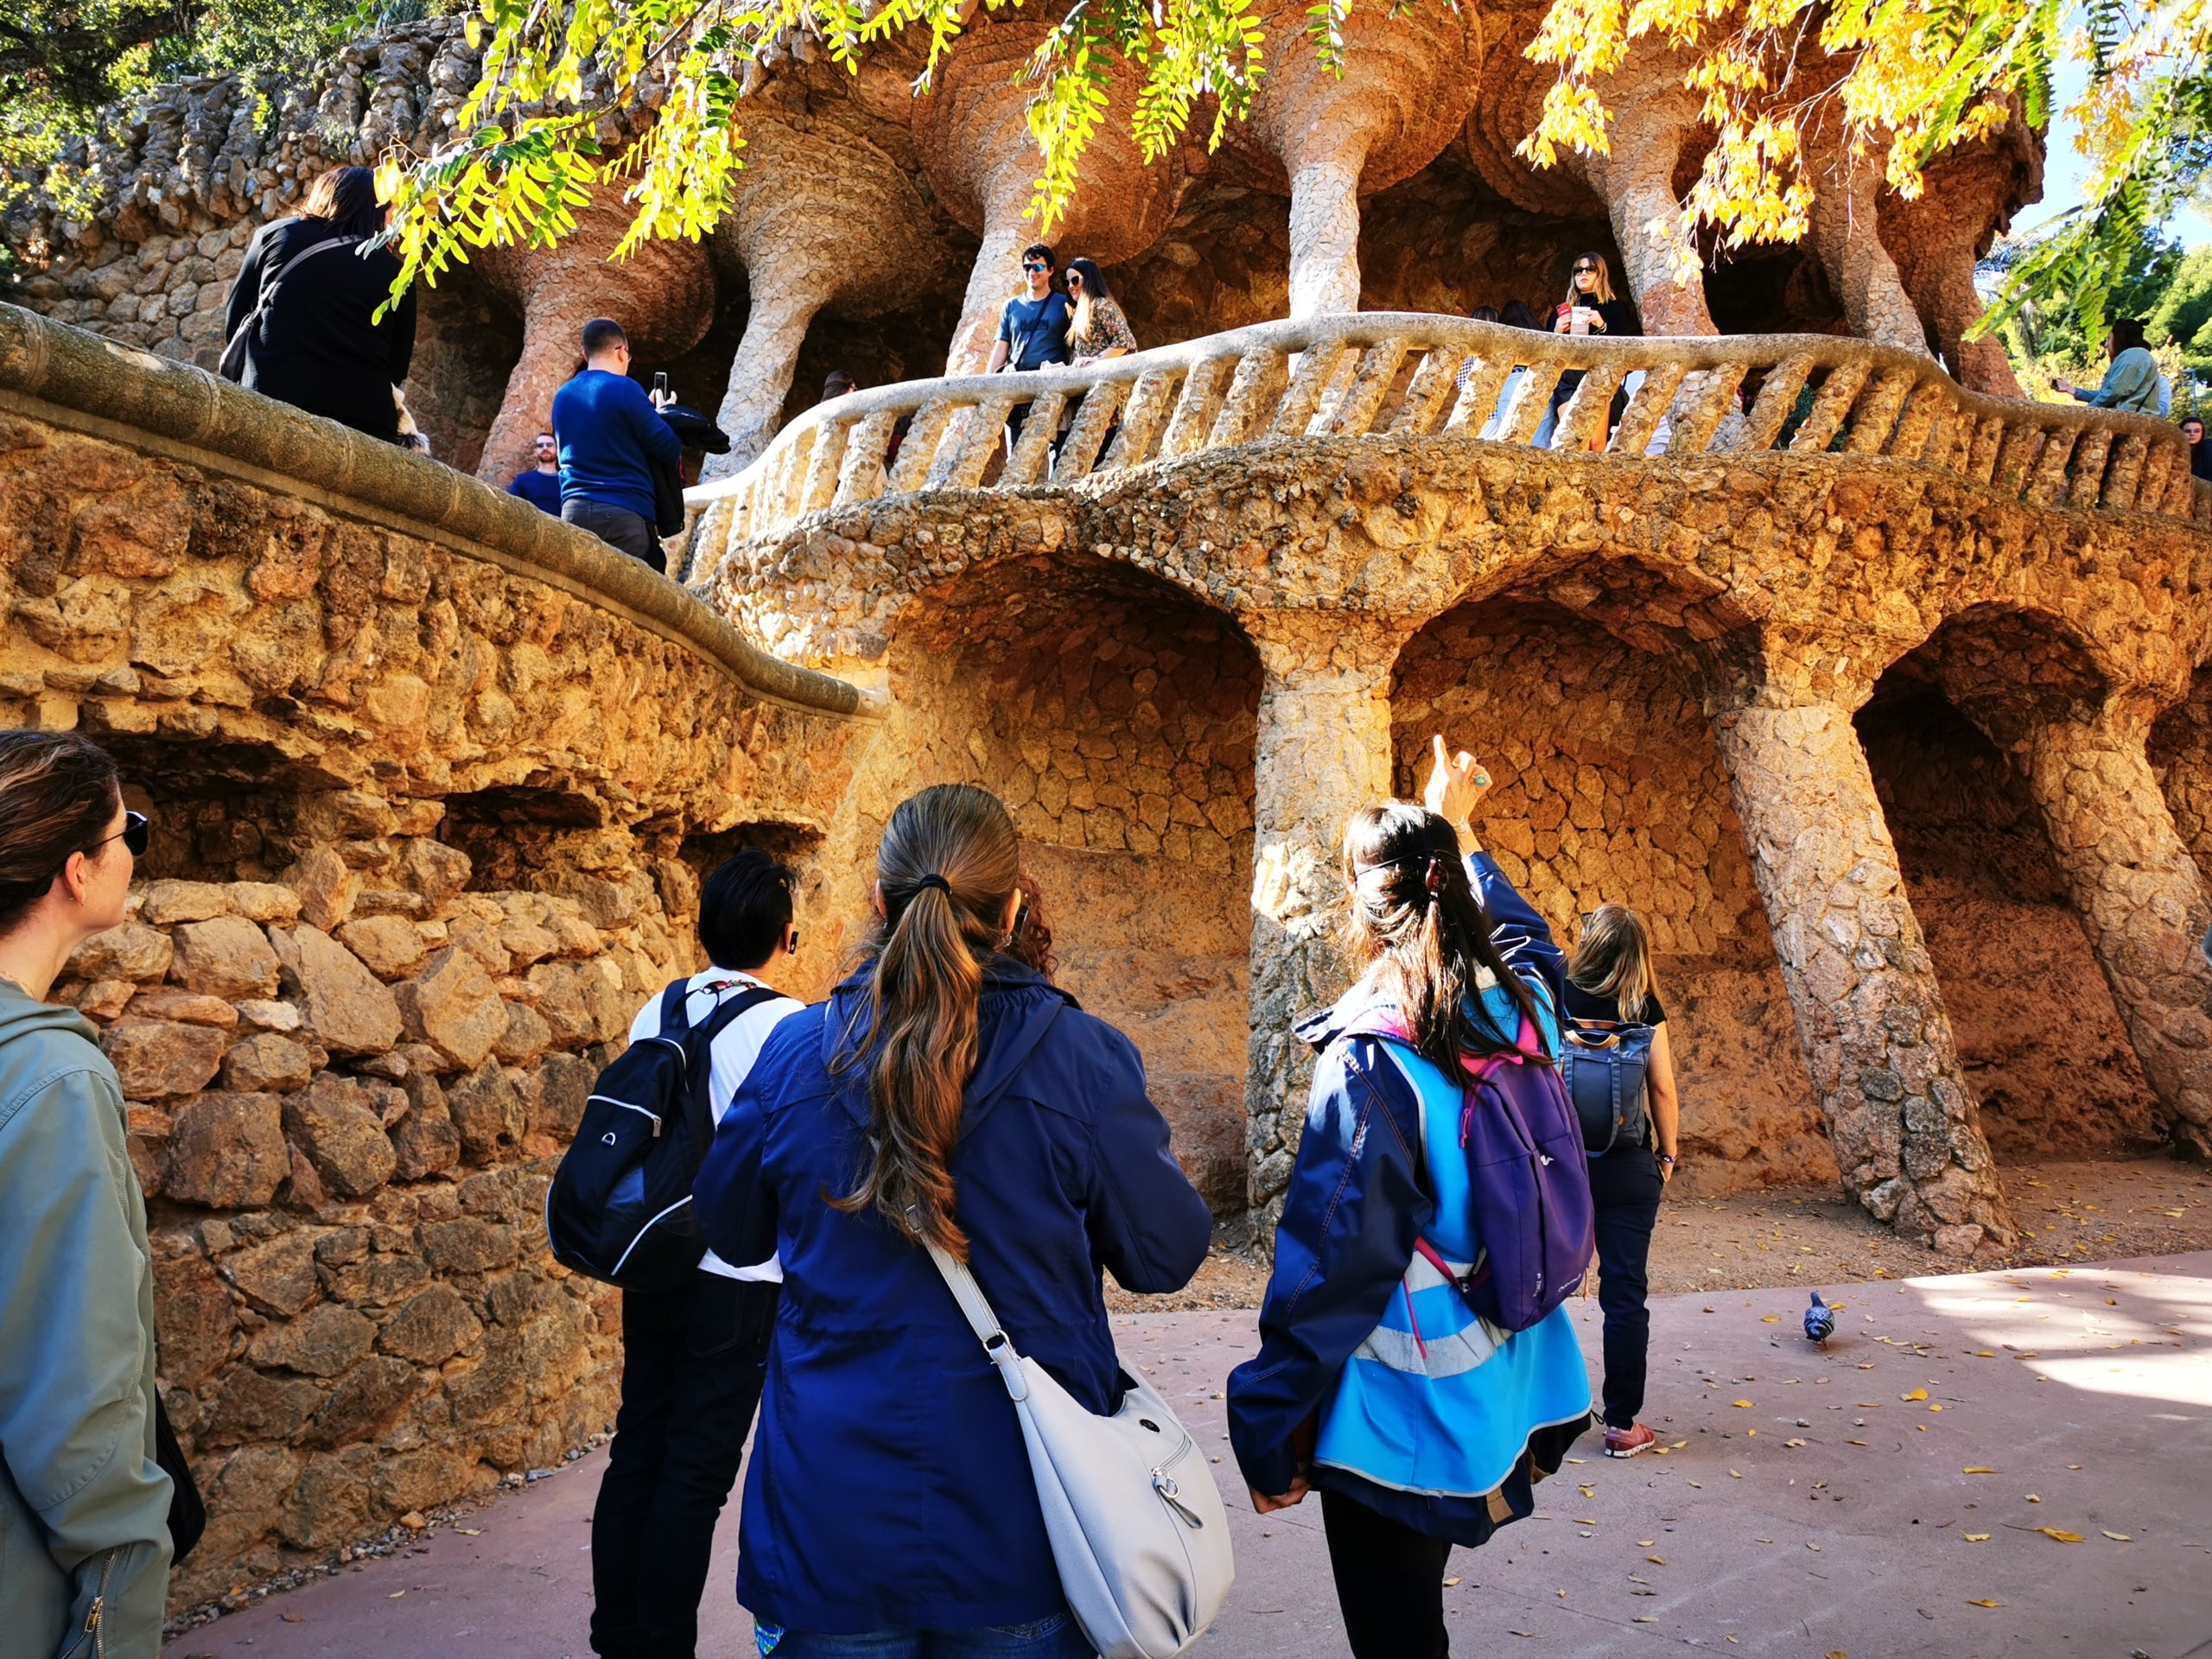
610 434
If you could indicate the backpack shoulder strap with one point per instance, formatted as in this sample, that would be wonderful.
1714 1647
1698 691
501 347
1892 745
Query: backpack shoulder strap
730 1007
675 1018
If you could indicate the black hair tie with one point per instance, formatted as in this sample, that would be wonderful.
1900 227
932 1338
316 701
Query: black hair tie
933 880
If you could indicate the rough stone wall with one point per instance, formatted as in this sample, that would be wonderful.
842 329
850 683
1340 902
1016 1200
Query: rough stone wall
2181 755
2042 1043
1608 789
1115 721
344 1137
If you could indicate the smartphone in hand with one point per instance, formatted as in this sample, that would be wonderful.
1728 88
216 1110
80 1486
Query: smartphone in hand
660 388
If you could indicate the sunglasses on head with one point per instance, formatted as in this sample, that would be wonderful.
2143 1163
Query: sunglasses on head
136 831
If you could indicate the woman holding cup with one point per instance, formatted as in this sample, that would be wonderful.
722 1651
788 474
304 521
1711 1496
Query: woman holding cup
1589 307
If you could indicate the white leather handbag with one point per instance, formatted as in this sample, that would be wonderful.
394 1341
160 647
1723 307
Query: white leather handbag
1137 1526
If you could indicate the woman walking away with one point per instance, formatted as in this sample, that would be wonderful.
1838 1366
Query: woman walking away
1613 997
306 298
1591 308
84 1508
945 1093
1423 1425
1098 328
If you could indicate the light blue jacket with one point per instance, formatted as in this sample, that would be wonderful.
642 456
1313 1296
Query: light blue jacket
2132 383
84 1510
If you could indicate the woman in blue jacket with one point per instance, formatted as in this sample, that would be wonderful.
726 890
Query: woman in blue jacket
1423 1425
944 1092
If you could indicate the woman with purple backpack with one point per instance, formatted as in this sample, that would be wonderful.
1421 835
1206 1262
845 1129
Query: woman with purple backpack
1416 1363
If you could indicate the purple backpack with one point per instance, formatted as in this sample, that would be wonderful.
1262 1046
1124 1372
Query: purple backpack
1529 1175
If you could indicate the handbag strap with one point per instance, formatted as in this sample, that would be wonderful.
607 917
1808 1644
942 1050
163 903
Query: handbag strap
305 254
976 1308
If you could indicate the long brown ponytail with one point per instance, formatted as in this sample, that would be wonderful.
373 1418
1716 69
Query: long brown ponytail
948 862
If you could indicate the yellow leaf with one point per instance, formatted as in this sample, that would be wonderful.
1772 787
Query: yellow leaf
1747 1403
1935 1407
1793 1442
1657 1561
1977 1469
1918 1394
1984 1604
2060 1536
1770 1318
1448 1583
2116 1537
1854 1442
1977 1537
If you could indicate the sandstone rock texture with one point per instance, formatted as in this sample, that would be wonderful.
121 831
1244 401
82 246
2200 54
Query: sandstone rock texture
433 788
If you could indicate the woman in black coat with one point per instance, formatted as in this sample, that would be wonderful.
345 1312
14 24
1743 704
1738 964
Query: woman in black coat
314 345
1590 301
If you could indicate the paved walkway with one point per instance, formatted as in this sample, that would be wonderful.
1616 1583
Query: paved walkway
1883 1498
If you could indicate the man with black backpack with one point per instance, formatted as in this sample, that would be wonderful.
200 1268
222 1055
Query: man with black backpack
693 1348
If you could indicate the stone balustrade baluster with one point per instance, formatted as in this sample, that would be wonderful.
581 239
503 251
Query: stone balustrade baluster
962 465
2047 481
2126 473
861 476
2085 473
1875 421
1530 399
1316 369
1478 399
1205 389
1869 1017
824 467
1258 383
1831 407
1770 409
919 453
1149 405
1647 408
2015 456
1921 430
1080 453
1587 413
1034 448
1423 406
1371 384
2157 473
1701 409
1988 440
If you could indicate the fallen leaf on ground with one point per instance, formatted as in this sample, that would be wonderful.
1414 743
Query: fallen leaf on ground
1740 1403
1984 1353
1770 1318
1918 1394
1657 1561
1642 1619
1735 1474
1984 1604
1645 1543
1448 1583
1854 1442
1793 1442
470 1532
292 1619
395 1595
2116 1537
2060 1536
1977 1537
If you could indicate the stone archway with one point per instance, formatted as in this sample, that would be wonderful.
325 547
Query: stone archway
1114 715
1610 787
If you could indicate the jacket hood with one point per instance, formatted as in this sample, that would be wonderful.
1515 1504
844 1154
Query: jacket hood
20 1014
1355 1010
1019 1007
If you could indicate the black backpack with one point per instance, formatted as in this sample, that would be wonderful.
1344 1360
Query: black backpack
619 1206
1603 1064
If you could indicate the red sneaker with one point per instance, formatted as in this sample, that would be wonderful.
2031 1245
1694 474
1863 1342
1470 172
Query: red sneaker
1627 1442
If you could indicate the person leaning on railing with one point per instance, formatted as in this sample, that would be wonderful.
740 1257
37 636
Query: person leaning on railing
1591 308
2131 382
1098 330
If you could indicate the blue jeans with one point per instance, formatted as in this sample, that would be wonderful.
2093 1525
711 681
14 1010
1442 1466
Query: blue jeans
1056 1637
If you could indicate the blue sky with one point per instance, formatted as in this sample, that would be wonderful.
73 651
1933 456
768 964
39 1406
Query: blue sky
2065 175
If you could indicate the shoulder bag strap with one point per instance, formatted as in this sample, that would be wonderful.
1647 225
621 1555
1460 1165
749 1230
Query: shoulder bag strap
304 254
976 1308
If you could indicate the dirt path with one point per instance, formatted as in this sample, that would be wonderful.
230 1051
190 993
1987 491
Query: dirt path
2066 1212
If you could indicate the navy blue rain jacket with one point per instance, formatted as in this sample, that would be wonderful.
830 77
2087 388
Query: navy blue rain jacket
1357 1201
888 1487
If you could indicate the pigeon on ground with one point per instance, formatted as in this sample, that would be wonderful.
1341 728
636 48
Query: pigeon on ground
1820 1320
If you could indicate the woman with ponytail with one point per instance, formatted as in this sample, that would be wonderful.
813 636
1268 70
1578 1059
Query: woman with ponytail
1422 1424
945 1092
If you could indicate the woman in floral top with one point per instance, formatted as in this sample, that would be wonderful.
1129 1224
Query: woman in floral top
1099 329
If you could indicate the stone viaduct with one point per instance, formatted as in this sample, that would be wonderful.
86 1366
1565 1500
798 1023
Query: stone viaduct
1879 691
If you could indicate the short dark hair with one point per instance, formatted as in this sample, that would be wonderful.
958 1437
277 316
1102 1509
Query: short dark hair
346 197
2127 334
838 385
744 909
603 334
58 793
1041 251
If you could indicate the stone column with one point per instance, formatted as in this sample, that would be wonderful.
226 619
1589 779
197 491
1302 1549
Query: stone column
1870 1017
1636 177
1323 750
1846 238
1324 237
2140 894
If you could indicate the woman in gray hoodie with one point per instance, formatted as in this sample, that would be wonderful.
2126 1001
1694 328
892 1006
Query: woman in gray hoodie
83 1508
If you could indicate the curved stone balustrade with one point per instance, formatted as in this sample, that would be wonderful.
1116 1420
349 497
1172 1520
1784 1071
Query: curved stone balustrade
1398 374
105 385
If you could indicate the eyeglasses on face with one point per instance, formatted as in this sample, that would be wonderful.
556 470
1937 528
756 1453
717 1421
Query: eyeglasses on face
1034 264
1585 271
136 832
1075 279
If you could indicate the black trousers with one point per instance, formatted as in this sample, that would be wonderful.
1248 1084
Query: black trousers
620 528
693 1360
1626 1186
1389 1582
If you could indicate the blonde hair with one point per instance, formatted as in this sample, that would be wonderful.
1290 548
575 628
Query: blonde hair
1613 958
1602 290
947 864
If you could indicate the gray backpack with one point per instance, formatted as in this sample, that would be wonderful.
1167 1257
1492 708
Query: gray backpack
1603 1064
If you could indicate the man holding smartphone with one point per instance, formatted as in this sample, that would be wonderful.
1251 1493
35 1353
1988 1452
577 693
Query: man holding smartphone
610 434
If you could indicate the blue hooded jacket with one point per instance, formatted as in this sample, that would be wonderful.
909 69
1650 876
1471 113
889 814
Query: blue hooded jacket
1361 1193
888 1486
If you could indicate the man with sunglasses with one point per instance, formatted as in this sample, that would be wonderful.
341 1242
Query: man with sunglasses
1033 327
